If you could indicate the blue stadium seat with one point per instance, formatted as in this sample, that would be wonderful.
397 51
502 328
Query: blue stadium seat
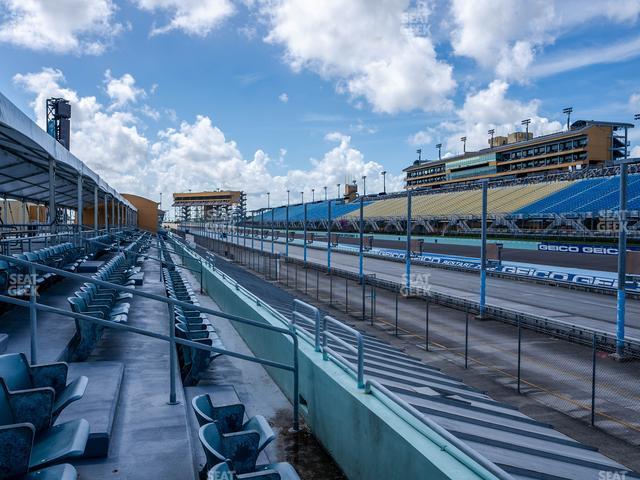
230 419
240 448
35 408
19 375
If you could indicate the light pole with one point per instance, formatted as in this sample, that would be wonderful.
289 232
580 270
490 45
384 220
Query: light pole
464 144
526 123
567 111
338 191
439 147
268 200
491 131
384 181
325 194
364 185
302 198
313 195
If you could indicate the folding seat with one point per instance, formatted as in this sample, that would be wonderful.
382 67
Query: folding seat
19 375
114 308
33 409
272 471
15 456
240 449
103 311
230 419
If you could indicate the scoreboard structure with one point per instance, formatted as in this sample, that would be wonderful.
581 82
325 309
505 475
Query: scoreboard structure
208 206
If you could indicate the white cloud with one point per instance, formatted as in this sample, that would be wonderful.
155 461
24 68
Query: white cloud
107 141
506 35
366 48
122 90
634 102
193 17
491 108
423 137
62 26
283 97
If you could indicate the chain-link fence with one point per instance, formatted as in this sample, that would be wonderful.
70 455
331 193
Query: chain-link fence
580 378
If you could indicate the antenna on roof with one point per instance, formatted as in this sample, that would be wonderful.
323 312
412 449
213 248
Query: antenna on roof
439 147
419 152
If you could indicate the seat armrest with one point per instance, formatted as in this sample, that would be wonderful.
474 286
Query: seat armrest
260 425
16 441
52 375
34 406
74 391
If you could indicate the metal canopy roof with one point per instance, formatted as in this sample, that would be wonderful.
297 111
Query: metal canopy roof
25 152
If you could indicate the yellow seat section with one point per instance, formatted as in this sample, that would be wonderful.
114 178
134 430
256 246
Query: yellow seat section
500 200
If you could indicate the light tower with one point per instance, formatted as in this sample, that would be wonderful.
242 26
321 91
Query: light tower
526 123
59 120
567 111
464 144
491 131
439 147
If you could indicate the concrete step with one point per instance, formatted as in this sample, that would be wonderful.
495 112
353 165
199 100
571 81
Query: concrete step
99 404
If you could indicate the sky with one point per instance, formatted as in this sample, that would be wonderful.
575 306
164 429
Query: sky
276 95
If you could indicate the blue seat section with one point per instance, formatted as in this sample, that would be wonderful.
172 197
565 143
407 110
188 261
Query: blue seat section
232 445
315 211
190 324
14 279
230 419
591 196
103 302
19 375
28 436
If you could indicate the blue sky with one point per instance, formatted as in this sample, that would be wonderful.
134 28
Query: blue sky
269 95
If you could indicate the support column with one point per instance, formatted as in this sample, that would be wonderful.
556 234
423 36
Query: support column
106 212
95 209
408 252
80 206
113 212
52 195
483 251
622 259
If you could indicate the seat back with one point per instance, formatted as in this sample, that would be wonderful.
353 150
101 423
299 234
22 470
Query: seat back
203 409
6 413
211 441
15 371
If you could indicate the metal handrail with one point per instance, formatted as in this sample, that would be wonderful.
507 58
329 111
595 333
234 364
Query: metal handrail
358 351
315 321
33 306
449 439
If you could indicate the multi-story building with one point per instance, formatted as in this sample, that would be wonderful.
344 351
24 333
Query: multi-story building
585 144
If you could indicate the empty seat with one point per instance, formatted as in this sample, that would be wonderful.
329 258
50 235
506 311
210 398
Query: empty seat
19 375
15 456
34 408
230 418
240 448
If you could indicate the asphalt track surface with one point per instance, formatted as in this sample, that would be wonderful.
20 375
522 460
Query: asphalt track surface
587 309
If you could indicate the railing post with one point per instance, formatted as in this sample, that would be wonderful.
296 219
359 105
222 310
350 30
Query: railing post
519 353
317 330
33 315
593 379
397 292
360 362
466 338
172 357
426 323
296 382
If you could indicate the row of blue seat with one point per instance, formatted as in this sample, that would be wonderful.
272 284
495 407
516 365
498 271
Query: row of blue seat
32 445
317 211
102 302
232 445
189 324
591 195
15 280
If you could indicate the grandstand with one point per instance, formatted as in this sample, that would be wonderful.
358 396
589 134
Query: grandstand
519 207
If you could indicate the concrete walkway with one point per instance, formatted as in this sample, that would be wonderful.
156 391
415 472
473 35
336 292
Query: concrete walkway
150 438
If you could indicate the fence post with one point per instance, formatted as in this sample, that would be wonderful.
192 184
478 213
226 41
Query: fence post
364 292
466 338
397 291
317 285
426 323
330 287
593 379
519 353
33 315
346 295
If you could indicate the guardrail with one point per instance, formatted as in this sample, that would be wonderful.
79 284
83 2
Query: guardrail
297 315
358 350
34 306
